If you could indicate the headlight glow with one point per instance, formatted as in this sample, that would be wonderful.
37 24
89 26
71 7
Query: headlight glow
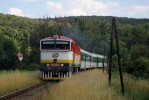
62 64
47 64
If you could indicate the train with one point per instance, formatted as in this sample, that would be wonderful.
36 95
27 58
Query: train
60 57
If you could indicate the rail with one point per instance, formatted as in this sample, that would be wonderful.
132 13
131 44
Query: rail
20 92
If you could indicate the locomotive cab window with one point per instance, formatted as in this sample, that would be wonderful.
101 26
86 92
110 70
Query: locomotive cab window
47 44
62 45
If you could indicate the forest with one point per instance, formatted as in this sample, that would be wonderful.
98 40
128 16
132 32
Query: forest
92 33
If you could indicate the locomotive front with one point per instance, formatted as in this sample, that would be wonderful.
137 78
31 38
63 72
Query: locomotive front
57 58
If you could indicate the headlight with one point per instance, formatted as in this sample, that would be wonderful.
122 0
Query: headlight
47 64
62 64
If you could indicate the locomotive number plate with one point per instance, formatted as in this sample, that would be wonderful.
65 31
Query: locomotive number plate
55 65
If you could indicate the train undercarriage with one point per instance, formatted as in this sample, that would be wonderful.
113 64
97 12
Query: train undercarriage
55 76
57 72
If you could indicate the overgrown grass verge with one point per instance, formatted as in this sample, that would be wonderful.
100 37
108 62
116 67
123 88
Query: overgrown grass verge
93 85
135 88
89 85
14 80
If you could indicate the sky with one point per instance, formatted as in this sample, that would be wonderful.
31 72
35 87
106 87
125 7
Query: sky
61 8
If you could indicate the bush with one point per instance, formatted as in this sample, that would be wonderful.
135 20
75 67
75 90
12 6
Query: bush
33 66
141 66
147 73
139 51
115 62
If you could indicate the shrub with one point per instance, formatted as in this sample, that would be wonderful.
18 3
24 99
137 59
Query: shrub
140 66
115 62
139 51
33 66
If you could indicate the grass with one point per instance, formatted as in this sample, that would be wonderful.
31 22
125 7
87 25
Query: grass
89 85
14 80
135 88
93 85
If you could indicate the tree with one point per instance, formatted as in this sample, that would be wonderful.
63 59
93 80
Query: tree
125 56
81 24
140 66
139 51
8 51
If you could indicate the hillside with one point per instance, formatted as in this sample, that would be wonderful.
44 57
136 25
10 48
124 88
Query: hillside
92 33
107 19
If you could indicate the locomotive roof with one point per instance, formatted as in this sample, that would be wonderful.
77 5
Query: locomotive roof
59 37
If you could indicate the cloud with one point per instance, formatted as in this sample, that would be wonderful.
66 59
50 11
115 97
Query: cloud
54 6
17 12
91 7
138 9
78 11
27 0
94 7
80 7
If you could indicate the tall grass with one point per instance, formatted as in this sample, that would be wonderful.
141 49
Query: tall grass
93 85
90 85
135 88
15 80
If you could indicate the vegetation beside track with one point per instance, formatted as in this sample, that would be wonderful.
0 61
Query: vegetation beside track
91 33
135 88
15 80
93 85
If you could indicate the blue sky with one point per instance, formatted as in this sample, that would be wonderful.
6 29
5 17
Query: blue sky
52 8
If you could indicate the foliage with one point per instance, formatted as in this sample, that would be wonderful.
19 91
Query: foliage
140 67
91 33
7 56
139 51
32 67
115 62
135 88
124 54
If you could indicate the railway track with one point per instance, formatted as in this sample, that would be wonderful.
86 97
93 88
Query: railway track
22 91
